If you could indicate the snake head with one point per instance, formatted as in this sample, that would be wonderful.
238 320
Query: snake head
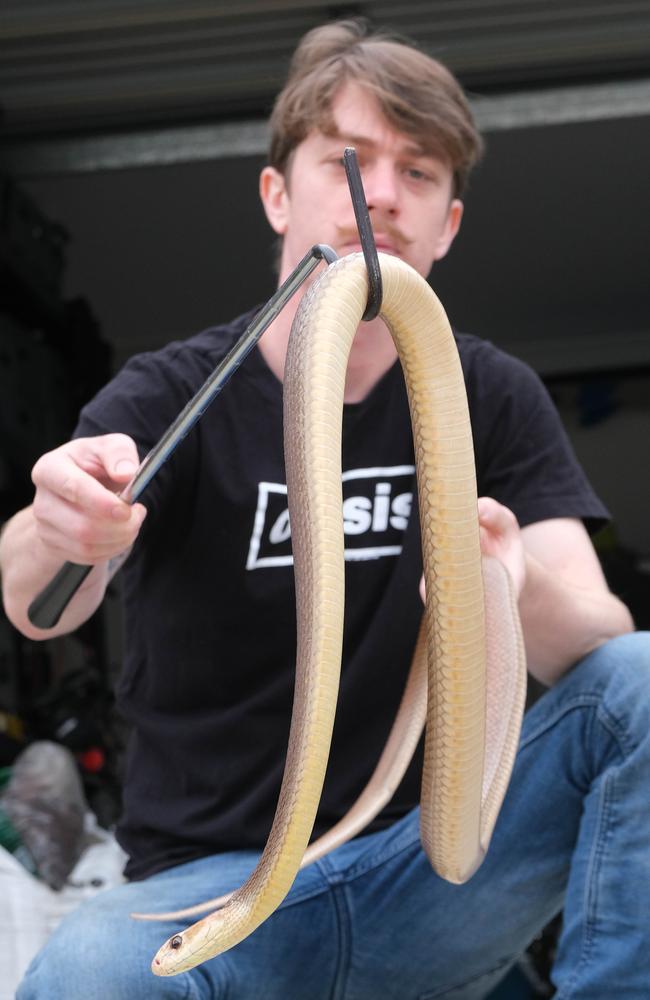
199 942
166 960
180 953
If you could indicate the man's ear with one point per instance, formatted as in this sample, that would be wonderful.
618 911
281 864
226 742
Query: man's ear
450 229
275 199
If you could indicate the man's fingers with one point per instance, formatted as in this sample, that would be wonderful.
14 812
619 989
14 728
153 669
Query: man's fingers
495 516
65 479
489 510
80 537
78 471
77 511
500 536
119 455
112 458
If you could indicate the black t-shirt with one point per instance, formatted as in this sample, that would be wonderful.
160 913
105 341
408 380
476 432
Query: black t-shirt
207 680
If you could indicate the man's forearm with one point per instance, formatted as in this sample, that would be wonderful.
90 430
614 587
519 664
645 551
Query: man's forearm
26 566
563 622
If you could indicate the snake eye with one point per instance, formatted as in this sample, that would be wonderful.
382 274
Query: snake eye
176 941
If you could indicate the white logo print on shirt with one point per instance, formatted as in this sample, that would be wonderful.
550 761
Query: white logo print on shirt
377 505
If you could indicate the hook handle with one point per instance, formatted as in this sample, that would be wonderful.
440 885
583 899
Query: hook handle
48 606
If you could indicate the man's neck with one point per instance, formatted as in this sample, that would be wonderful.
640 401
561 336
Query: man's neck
369 360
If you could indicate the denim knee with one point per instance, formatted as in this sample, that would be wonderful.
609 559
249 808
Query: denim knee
607 694
627 657
96 952
632 649
618 673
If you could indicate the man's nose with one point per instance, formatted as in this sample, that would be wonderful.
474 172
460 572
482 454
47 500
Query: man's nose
381 187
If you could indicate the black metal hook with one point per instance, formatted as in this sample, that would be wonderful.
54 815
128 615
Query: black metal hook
366 235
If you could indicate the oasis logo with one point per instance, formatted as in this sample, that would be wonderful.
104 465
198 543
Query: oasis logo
376 509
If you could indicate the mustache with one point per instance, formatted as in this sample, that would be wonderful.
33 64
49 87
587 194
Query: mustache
388 230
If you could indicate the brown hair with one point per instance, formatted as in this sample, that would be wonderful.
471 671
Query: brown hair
417 94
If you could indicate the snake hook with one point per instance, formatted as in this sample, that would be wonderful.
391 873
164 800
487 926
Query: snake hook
366 235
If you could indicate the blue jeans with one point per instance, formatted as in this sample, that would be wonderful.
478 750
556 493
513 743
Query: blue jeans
371 921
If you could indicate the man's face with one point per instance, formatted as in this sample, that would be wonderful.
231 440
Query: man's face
409 192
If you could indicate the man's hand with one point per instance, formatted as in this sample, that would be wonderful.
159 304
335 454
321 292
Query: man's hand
500 536
565 605
77 515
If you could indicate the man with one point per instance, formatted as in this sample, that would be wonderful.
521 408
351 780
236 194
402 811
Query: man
207 682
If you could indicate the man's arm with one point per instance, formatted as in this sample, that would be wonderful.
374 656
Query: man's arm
75 517
566 607
567 610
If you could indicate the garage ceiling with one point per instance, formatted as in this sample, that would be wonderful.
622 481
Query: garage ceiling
126 123
90 65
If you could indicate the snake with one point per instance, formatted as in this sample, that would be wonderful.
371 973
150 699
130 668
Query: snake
467 680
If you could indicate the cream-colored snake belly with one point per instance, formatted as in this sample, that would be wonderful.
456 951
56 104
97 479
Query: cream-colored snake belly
472 691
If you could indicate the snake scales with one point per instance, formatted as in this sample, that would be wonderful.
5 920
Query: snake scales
468 673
